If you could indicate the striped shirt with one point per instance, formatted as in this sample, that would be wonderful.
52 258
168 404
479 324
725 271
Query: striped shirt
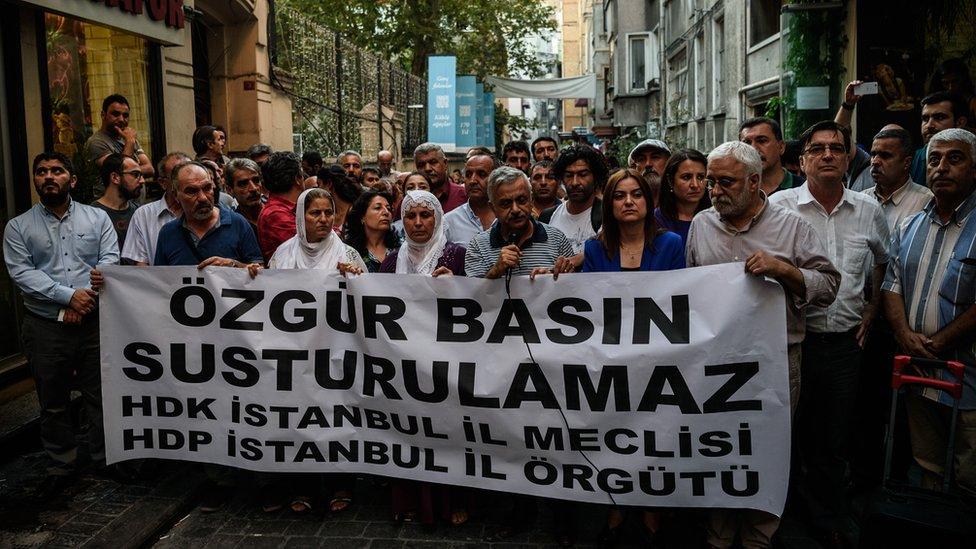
933 268
547 243
855 234
905 202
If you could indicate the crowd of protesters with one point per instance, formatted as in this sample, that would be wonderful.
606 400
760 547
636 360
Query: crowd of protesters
875 249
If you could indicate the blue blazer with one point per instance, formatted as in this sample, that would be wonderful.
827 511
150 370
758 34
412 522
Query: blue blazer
668 254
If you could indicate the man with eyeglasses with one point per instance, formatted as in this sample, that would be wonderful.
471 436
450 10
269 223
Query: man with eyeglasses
742 225
123 180
50 251
855 231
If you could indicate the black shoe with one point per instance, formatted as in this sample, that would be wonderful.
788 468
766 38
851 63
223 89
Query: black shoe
52 485
610 537
117 473
214 498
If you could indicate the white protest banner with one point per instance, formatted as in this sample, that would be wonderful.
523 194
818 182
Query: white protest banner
661 389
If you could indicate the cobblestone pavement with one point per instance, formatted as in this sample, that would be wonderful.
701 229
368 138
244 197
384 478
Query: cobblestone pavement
91 510
94 512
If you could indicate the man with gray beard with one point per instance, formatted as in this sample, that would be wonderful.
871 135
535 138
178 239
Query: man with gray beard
649 158
743 226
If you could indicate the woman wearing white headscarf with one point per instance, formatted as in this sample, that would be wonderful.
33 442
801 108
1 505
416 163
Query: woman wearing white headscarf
315 245
425 250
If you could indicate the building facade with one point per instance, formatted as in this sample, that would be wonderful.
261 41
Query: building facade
180 64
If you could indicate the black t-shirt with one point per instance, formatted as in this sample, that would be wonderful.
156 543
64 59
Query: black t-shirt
120 218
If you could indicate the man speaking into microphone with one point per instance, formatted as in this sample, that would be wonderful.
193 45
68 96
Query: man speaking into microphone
516 243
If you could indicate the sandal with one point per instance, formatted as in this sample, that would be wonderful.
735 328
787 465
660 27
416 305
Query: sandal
340 501
459 517
406 516
301 505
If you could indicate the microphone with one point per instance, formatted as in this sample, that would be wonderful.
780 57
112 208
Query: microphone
512 239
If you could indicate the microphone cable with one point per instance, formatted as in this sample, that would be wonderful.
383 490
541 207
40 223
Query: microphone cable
528 348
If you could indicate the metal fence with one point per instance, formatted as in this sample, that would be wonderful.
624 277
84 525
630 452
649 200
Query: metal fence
334 86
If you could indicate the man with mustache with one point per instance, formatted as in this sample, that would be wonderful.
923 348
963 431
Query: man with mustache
854 229
929 292
940 111
900 198
766 136
742 225
582 170
544 148
243 178
207 233
464 223
891 156
516 155
516 242
50 250
429 159
649 158
115 136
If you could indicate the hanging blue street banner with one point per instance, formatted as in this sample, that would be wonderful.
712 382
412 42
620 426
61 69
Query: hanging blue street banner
467 113
479 96
441 103
490 120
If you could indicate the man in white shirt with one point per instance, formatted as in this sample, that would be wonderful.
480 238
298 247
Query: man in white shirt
140 241
891 162
900 198
474 216
855 233
582 170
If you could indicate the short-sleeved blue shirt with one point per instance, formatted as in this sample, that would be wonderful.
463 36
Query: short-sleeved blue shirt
232 238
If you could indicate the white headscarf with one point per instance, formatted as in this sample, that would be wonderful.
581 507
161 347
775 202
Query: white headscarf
298 253
417 257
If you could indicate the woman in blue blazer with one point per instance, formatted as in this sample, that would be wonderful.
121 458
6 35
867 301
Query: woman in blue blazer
630 239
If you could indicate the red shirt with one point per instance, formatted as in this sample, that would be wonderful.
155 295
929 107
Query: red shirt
453 197
276 224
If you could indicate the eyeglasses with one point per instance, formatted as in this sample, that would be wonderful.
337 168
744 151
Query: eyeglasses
819 150
725 182
135 173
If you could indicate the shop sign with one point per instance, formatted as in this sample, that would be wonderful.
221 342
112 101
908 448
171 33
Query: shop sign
160 20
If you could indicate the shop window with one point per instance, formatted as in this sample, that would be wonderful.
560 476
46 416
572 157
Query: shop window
85 64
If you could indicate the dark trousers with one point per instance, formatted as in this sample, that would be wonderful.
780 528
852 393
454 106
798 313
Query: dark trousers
829 371
872 412
63 356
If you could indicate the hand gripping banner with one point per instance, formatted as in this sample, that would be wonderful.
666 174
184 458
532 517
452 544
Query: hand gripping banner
657 389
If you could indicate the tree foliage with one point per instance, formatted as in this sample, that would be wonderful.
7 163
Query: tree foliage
489 37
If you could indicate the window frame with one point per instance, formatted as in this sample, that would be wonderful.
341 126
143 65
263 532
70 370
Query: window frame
650 61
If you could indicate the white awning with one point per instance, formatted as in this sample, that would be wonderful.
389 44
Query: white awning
576 87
